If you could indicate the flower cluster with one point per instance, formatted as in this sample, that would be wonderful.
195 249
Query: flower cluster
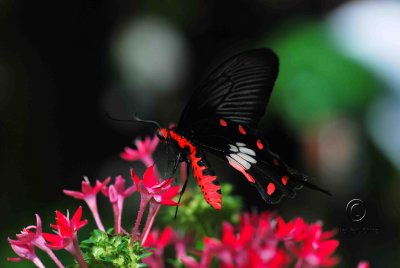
65 237
154 192
250 240
259 241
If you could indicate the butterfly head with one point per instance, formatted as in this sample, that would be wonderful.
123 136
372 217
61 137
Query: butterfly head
162 134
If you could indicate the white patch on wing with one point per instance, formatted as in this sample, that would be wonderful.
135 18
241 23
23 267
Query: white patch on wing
241 161
247 151
240 168
233 148
242 155
248 158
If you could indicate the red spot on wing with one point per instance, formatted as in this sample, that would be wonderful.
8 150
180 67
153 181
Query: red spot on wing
276 162
260 145
242 130
223 123
285 180
270 188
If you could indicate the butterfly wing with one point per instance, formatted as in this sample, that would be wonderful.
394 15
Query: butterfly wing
242 149
222 115
237 90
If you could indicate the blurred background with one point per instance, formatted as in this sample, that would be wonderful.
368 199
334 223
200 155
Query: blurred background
334 112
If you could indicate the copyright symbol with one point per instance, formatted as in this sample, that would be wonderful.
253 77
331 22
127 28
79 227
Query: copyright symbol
356 210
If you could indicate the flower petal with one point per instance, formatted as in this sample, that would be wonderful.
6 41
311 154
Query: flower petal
74 194
112 194
168 202
171 192
135 178
149 180
77 216
165 237
129 191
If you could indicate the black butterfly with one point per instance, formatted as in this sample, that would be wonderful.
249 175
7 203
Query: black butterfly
222 117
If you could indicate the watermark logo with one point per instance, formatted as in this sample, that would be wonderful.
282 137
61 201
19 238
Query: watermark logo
356 210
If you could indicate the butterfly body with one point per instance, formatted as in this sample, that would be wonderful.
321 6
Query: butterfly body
222 117
205 176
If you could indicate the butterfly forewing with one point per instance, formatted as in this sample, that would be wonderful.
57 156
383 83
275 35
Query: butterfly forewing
238 90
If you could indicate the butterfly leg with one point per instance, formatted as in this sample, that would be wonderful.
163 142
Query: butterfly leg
176 164
183 189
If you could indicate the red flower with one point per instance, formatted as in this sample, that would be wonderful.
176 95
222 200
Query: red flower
256 243
293 230
158 242
65 230
246 248
89 195
317 247
158 192
143 152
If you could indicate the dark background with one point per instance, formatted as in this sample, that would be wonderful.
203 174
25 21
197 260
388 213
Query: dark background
56 74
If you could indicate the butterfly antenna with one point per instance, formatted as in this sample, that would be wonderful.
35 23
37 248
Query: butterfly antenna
135 119
117 119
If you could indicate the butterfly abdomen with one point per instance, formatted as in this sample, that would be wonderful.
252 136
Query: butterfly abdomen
205 176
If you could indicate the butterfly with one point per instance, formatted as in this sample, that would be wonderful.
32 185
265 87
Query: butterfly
222 117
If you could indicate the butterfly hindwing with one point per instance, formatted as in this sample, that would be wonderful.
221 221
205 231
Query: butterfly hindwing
242 149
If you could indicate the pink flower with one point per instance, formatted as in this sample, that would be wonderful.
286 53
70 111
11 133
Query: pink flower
158 242
65 229
117 194
242 250
317 247
158 192
257 242
293 230
32 236
363 264
25 251
89 195
143 152
120 189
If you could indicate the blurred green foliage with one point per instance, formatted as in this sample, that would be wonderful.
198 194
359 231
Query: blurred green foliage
106 250
199 218
315 81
